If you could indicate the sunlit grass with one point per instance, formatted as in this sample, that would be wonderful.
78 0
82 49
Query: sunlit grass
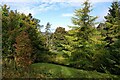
57 71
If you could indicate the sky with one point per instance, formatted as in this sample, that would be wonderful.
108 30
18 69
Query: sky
57 12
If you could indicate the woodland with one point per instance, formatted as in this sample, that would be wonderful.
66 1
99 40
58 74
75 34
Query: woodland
84 51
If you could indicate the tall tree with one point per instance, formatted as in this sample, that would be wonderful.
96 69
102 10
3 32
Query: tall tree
108 60
112 38
79 38
47 34
111 29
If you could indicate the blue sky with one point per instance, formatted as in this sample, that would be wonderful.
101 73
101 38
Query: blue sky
57 12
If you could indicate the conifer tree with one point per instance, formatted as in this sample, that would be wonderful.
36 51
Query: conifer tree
47 34
112 38
111 30
12 24
58 38
108 60
79 38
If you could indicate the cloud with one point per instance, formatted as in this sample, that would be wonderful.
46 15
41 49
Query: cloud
25 6
46 6
33 8
67 15
52 1
27 10
19 0
77 0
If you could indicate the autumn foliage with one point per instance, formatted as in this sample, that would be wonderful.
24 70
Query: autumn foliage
23 49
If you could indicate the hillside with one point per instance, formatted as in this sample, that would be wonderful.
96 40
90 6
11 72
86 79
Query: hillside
46 70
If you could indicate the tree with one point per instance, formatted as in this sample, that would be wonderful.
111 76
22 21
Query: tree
112 37
23 50
10 21
108 59
79 38
47 34
58 38
14 23
56 46
111 29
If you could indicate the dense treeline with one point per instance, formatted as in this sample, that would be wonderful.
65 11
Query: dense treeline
84 46
21 39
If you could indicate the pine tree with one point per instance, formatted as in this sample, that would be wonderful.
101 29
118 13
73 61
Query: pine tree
79 38
108 60
111 30
47 34
58 38
113 38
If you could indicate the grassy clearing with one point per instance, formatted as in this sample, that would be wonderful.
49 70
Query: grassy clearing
46 70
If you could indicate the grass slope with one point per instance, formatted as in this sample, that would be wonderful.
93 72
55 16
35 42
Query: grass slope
46 70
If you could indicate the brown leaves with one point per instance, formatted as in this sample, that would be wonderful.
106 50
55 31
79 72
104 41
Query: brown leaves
23 49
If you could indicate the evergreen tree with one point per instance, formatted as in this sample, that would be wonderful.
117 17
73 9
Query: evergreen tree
112 38
79 38
58 38
111 29
14 23
108 60
47 34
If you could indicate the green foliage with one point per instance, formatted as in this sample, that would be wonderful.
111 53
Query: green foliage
113 18
108 54
79 39
47 35
14 25
84 46
111 30
9 19
58 38
82 17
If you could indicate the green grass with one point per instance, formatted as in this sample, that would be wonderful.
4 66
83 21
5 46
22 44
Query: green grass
46 70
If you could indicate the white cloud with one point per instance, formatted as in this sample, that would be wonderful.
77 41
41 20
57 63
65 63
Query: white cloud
33 8
19 0
94 1
80 0
46 6
25 5
27 10
67 15
52 1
